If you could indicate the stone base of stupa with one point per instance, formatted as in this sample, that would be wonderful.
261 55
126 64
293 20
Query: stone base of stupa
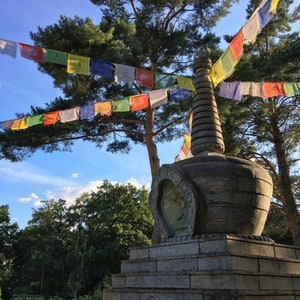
210 267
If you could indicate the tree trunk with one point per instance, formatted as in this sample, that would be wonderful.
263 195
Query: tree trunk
285 186
154 164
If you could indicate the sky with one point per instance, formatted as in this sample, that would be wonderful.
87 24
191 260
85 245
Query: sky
65 175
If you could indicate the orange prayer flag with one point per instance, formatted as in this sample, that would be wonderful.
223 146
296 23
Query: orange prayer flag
51 117
139 102
103 108
236 45
16 124
273 89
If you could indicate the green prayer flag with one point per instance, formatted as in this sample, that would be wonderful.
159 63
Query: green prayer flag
228 62
55 56
35 120
121 105
163 80
292 88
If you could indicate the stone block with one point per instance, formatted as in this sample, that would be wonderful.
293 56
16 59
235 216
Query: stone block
296 283
279 266
213 281
242 263
177 265
112 295
275 283
244 247
175 249
138 266
284 251
140 281
213 246
211 263
173 281
139 253
118 281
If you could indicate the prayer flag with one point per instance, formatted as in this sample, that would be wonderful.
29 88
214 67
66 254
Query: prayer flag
51 117
24 123
103 108
102 68
32 52
292 88
178 94
15 124
9 48
124 73
121 105
54 56
185 83
145 78
78 64
236 45
69 115
217 73
274 5
35 120
264 14
158 97
273 89
6 124
253 89
164 80
87 111
231 90
228 62
139 102
251 29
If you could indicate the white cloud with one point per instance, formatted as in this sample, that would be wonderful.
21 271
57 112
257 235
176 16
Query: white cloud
33 199
25 172
75 175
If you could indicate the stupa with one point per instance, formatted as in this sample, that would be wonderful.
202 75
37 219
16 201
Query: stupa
211 209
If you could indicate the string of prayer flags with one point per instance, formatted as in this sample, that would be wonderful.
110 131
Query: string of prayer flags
225 65
139 102
102 68
32 52
9 48
185 150
78 64
54 56
235 90
103 108
158 97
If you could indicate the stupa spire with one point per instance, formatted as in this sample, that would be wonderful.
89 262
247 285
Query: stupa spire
206 129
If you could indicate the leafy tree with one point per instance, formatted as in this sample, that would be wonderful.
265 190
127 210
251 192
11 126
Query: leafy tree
68 251
268 130
8 236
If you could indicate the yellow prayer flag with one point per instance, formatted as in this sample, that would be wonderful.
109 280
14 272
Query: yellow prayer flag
185 83
24 123
217 73
274 5
78 64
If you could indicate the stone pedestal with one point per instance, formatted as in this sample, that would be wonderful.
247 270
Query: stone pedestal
216 266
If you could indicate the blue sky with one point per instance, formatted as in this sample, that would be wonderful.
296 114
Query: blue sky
62 174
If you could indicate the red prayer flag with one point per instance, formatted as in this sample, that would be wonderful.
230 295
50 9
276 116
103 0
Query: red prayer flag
139 102
32 52
145 78
273 89
51 117
236 45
